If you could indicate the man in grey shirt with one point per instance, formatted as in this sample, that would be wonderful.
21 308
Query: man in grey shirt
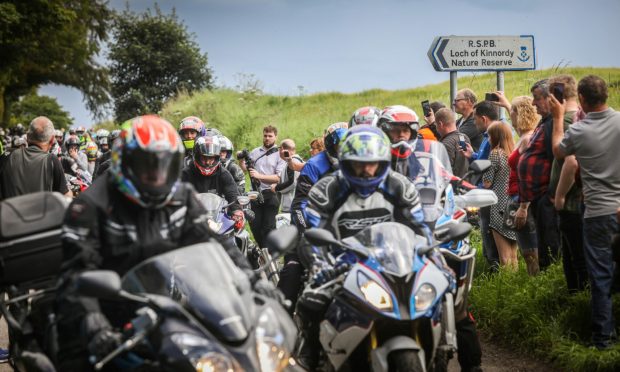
450 137
267 170
593 141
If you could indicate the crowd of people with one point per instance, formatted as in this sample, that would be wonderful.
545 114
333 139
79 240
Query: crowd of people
557 184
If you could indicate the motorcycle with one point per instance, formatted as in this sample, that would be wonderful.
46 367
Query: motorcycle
392 305
227 227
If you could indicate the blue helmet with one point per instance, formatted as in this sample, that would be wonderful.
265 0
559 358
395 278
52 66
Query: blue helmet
334 134
365 144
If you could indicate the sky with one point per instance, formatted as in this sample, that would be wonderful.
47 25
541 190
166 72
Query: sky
355 45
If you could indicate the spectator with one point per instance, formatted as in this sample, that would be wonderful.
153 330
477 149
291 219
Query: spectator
464 103
450 137
267 170
484 114
316 146
567 196
288 178
524 119
496 178
594 141
534 170
32 169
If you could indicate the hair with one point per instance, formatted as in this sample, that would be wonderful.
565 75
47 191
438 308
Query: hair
486 108
500 137
527 118
570 84
445 115
593 89
270 129
317 144
41 130
288 144
469 95
436 106
543 85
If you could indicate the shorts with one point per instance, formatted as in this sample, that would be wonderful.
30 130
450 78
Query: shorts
526 238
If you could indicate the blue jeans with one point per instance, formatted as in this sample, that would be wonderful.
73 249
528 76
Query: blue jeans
597 235
489 249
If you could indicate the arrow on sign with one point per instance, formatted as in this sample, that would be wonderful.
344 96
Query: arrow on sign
442 46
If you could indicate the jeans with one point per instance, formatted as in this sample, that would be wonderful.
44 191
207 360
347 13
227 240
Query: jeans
489 249
546 230
597 234
573 260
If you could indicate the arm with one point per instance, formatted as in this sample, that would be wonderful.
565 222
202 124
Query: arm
287 185
295 164
229 190
489 176
557 110
59 182
567 179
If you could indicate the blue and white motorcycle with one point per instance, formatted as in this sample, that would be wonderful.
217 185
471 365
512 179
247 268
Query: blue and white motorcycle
393 305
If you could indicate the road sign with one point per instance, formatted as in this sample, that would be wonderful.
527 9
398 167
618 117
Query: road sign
483 53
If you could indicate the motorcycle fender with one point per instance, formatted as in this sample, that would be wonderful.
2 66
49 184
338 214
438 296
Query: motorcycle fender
379 356
339 346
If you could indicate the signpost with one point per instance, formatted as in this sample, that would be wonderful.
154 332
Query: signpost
482 53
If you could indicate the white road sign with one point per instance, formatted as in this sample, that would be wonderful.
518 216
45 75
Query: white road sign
483 53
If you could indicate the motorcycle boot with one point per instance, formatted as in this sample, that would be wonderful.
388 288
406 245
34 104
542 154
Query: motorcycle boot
468 344
311 308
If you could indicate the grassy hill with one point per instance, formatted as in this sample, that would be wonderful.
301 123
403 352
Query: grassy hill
241 116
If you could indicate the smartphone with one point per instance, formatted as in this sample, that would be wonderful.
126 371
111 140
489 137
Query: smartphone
491 97
557 89
286 154
426 107
462 142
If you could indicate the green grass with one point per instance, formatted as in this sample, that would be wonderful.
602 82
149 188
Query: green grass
242 116
537 315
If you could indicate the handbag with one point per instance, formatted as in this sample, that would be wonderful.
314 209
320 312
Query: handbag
509 215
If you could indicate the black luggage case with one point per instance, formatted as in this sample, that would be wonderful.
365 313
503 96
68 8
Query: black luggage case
30 246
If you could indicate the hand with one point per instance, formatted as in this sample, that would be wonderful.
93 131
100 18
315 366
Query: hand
430 119
503 101
273 187
103 343
266 288
556 107
520 218
559 203
73 153
254 174
467 153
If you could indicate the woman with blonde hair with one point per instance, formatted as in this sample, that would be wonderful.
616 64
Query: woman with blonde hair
496 178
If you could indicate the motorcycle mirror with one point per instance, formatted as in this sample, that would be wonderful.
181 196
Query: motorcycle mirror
282 240
243 200
480 166
320 237
99 284
252 195
452 232
477 198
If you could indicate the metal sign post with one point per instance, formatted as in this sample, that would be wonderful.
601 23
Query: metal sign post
482 53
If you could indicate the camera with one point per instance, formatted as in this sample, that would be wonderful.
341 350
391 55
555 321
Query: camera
491 97
245 156
426 108
557 89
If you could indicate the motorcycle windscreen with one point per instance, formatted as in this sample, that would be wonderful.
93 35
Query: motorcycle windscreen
213 203
391 244
205 281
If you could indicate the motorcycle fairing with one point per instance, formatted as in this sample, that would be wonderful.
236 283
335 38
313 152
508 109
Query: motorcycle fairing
351 285
432 275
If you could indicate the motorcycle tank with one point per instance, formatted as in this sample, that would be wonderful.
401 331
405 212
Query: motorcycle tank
205 281
391 244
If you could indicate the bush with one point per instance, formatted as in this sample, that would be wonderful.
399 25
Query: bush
538 315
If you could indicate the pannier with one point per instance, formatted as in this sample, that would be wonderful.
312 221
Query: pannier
30 246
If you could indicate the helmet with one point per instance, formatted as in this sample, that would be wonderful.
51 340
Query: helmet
147 160
102 133
18 141
399 115
72 141
365 144
365 115
19 129
71 130
80 130
212 131
207 146
91 151
191 123
334 134
226 145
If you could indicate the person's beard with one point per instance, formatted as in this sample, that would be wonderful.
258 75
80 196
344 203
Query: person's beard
268 146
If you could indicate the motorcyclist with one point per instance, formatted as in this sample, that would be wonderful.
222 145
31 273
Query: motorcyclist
365 115
316 168
104 162
190 128
136 210
401 125
82 136
72 145
207 174
226 151
92 153
363 192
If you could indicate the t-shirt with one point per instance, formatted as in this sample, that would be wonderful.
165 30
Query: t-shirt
594 141
458 161
573 196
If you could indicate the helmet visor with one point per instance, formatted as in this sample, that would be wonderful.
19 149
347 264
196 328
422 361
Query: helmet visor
152 173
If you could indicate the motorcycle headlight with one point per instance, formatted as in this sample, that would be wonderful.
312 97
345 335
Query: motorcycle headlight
472 209
374 293
424 297
204 354
272 355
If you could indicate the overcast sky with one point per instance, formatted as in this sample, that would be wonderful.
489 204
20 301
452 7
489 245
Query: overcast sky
350 46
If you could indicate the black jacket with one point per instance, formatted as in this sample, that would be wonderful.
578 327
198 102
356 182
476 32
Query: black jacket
468 126
220 182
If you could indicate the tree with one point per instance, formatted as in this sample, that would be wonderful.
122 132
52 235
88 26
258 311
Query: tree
33 105
153 58
52 41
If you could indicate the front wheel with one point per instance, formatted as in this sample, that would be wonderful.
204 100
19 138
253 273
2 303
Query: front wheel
404 361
